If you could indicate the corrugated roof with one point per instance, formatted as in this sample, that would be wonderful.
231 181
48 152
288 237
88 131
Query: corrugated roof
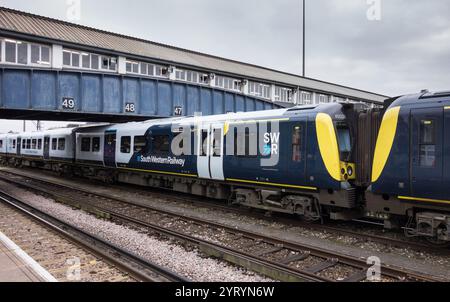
29 24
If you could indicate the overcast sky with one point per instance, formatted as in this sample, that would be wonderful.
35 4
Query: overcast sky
405 51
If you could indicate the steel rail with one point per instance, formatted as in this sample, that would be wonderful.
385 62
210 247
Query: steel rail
396 273
137 267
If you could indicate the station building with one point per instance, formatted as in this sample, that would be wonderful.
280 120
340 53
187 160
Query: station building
54 70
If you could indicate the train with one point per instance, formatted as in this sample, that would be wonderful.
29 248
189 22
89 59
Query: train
338 161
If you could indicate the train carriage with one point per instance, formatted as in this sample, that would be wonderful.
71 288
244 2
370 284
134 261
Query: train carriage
313 147
411 167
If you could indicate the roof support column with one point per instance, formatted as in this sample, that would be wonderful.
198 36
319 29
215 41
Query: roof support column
122 65
295 96
57 56
315 98
272 93
244 87
212 80
172 73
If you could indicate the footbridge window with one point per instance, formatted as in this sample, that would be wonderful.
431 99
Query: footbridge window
228 83
283 94
304 98
24 53
146 69
90 61
191 76
324 99
259 90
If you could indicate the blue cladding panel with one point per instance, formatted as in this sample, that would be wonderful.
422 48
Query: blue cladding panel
112 95
164 99
218 105
193 100
148 98
259 106
206 106
267 106
69 87
17 94
92 94
250 104
131 93
109 93
229 102
43 91
179 97
240 103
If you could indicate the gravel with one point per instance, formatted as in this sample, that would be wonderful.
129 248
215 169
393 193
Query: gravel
190 264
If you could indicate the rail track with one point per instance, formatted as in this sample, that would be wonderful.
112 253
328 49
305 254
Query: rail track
278 259
341 229
138 268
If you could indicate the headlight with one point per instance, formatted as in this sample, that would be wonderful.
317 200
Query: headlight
350 171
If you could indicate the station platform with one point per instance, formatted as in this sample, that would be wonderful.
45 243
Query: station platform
17 266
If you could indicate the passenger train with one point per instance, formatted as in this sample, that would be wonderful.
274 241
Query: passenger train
340 161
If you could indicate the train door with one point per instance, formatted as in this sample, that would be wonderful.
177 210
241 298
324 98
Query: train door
110 149
46 147
217 150
203 146
426 152
210 149
296 158
18 145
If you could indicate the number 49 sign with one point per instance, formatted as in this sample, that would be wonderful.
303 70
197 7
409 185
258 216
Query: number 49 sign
68 103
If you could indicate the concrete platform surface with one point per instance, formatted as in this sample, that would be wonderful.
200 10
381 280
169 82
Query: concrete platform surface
17 266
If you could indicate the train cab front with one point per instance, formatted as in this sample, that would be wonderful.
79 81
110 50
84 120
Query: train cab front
336 136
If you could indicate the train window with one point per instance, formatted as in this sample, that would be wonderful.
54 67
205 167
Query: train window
344 141
54 143
39 146
28 143
139 143
297 143
24 144
204 142
125 144
427 144
1 143
14 144
86 144
427 132
33 144
217 145
96 144
61 144
160 143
